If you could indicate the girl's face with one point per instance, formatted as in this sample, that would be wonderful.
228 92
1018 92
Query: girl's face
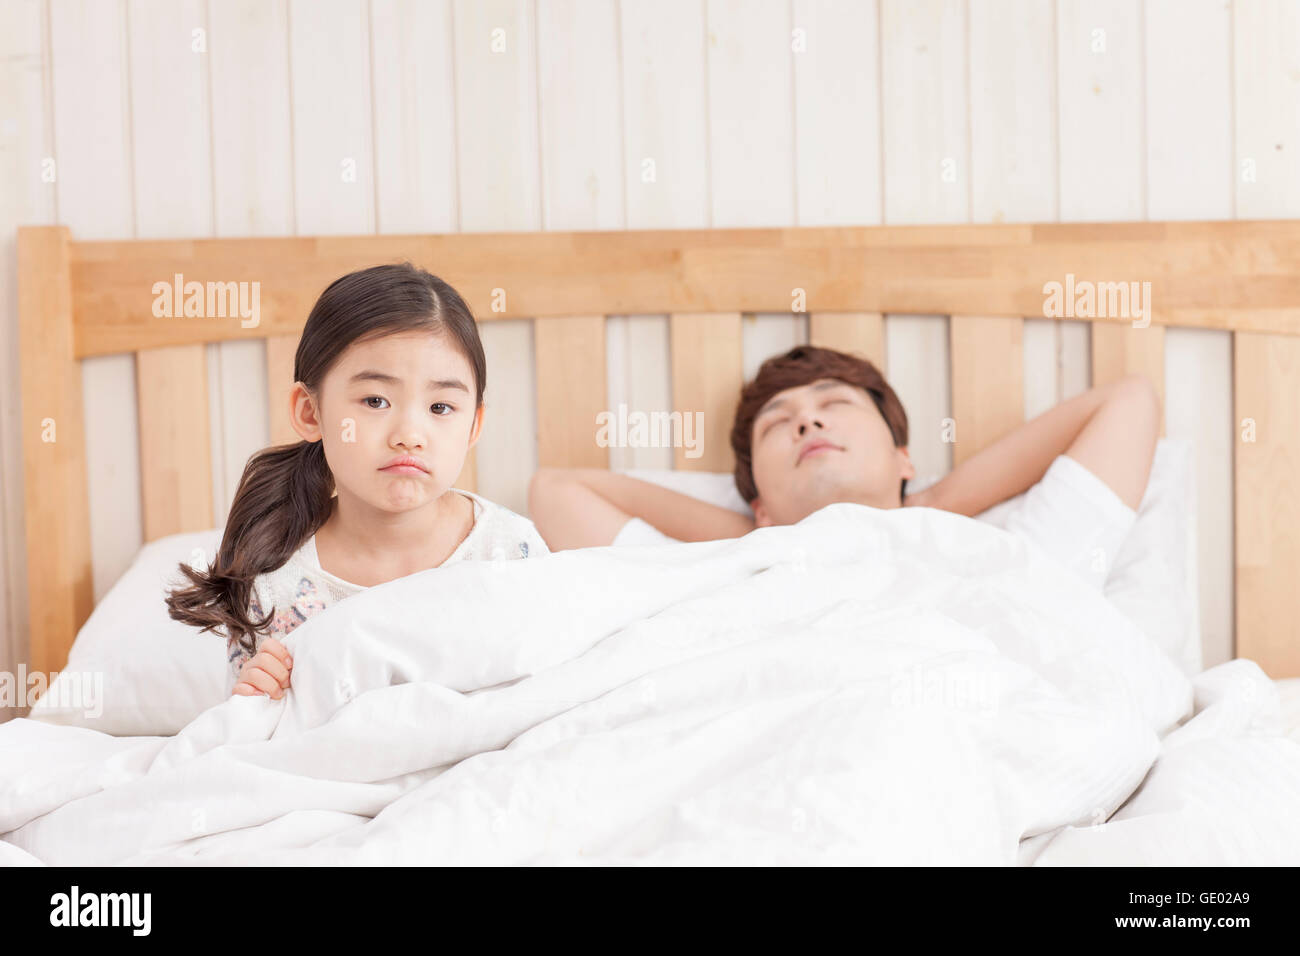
408 394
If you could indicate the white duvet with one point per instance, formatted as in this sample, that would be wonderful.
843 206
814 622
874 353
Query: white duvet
868 686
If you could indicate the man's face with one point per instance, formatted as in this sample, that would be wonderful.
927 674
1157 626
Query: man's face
819 444
408 393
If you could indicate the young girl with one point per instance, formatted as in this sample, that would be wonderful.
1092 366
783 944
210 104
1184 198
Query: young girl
388 398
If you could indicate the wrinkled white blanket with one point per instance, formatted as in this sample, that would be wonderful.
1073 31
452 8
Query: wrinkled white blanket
867 686
1223 792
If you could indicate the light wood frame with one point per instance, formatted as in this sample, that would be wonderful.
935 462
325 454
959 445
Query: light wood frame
89 298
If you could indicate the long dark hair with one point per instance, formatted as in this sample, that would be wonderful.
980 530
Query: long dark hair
285 493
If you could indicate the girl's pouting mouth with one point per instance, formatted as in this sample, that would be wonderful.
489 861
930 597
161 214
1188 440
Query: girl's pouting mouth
406 465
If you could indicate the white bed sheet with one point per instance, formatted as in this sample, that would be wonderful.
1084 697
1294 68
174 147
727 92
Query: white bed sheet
1289 705
1224 791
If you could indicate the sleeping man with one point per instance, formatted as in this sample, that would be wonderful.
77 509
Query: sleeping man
816 427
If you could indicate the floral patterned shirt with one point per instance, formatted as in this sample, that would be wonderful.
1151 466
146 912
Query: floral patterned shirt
301 588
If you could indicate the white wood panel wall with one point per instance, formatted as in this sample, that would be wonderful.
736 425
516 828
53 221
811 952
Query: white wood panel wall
26 144
357 116
253 195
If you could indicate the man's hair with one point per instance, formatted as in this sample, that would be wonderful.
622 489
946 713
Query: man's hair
803 365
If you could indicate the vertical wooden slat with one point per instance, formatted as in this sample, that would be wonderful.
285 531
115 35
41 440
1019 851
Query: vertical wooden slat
862 333
637 374
920 374
56 491
175 463
988 392
1073 357
1267 419
280 351
1198 382
765 335
1119 349
1041 346
508 445
570 360
237 389
706 353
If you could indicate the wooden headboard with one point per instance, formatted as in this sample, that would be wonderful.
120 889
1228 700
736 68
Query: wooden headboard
80 299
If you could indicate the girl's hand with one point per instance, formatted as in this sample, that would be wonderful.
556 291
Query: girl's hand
266 672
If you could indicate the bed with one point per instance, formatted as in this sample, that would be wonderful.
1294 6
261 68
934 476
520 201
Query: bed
1148 748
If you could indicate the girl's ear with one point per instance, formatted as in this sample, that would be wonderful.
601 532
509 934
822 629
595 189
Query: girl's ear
303 414
477 428
907 469
761 518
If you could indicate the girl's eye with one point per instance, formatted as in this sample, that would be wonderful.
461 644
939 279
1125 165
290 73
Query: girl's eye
373 398
444 405
771 425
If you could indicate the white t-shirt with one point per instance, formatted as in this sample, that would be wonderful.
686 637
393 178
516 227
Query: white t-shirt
300 587
1070 513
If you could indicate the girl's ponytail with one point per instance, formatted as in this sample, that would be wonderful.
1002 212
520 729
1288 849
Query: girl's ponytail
284 496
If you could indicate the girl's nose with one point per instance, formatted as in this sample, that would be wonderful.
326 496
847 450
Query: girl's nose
409 436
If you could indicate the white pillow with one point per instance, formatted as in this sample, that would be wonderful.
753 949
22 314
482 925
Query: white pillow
1153 579
156 674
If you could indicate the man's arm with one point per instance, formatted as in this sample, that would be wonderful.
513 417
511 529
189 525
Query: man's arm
587 507
1111 430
